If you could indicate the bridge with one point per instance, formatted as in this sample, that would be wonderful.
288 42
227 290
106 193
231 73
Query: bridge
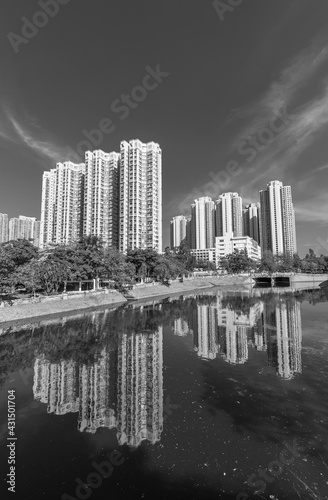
289 279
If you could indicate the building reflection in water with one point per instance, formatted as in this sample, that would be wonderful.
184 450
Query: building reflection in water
283 329
122 389
140 388
230 328
121 386
234 329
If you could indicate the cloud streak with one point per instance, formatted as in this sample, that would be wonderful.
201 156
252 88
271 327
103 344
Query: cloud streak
14 130
280 158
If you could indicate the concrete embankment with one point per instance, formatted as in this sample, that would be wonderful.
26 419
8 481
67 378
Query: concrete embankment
157 290
57 306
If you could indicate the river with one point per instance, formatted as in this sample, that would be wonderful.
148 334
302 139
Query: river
216 394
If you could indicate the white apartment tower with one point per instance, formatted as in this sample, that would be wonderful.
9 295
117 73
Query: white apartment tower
61 205
229 217
47 207
202 223
277 221
289 228
68 200
4 228
178 230
140 194
251 221
100 212
23 227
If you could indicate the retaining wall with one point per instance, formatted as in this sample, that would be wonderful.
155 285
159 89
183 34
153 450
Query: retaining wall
46 306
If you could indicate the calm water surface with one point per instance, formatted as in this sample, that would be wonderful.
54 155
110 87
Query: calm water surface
211 395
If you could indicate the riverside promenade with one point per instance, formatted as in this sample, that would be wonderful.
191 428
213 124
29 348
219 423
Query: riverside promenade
42 307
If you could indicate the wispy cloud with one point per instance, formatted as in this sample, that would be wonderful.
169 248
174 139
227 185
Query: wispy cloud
283 90
313 210
279 159
31 136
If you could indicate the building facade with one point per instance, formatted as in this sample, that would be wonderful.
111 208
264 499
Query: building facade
277 219
251 221
4 228
140 194
178 231
225 245
101 202
68 202
228 215
202 223
47 207
61 204
115 196
23 227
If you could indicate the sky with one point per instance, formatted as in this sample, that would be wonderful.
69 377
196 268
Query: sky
236 96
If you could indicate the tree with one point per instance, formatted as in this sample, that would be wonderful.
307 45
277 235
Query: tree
206 265
184 255
52 274
115 268
296 263
237 262
268 262
28 275
91 241
7 267
169 267
284 263
20 251
144 261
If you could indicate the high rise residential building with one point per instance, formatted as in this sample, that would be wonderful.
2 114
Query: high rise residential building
23 227
202 223
26 227
289 227
61 205
116 196
228 215
14 228
140 194
188 232
68 202
101 196
4 234
47 207
277 220
178 231
251 221
36 234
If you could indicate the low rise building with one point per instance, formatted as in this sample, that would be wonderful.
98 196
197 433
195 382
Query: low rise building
225 245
